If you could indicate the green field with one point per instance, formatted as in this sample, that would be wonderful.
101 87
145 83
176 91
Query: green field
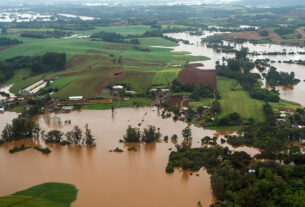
90 63
44 195
235 99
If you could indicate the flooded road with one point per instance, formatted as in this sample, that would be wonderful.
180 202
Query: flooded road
6 89
296 94
108 178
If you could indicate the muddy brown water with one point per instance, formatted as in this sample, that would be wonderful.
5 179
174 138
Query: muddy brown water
108 178
296 94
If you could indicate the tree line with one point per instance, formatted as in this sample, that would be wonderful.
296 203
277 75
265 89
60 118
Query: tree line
8 41
48 62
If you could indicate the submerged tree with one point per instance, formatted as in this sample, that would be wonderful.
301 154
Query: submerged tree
187 134
132 134
21 127
77 135
54 136
150 134
89 140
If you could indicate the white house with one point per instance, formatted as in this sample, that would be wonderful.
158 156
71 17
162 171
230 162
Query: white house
130 92
153 90
165 90
75 98
118 87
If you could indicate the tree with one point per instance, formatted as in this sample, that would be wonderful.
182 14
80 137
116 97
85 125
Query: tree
132 134
3 30
88 136
77 135
150 134
54 136
187 134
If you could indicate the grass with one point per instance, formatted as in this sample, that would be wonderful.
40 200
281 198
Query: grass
136 101
46 195
90 63
32 47
98 106
234 99
157 41
201 102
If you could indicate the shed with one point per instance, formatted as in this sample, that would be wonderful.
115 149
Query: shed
75 98
118 87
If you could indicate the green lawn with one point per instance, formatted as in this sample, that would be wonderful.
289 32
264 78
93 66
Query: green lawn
44 195
98 106
136 101
234 99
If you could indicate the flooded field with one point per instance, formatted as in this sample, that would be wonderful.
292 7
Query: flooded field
108 178
296 94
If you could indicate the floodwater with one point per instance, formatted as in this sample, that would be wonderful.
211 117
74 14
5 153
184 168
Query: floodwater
296 94
6 89
108 178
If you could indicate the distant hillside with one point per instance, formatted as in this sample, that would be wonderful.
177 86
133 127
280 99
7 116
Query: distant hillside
272 3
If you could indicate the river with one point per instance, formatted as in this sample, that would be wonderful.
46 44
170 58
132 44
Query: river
108 178
296 94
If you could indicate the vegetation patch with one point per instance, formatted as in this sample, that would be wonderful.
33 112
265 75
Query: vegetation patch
47 195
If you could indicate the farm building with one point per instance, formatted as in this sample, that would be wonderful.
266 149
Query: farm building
130 92
32 88
118 87
153 90
75 98
191 74
67 108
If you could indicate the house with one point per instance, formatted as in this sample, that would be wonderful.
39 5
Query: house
118 87
153 90
130 92
67 108
283 115
75 98
165 90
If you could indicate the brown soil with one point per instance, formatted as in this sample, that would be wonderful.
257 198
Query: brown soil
115 46
254 35
200 77
6 47
115 74
178 101
301 31
248 35
84 102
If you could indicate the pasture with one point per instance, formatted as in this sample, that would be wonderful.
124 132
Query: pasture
47 195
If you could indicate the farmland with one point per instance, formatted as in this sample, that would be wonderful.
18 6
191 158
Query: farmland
90 63
235 99
47 194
